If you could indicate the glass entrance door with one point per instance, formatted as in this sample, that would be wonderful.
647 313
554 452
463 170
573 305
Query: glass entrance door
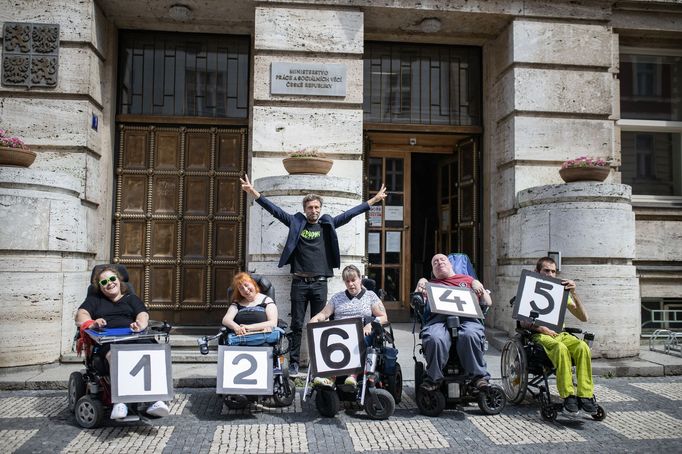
388 242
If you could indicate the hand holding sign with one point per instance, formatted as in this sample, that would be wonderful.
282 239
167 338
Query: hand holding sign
543 295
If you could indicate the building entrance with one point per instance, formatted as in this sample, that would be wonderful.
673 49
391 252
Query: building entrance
432 206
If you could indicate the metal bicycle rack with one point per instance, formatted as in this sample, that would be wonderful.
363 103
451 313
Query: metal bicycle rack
666 341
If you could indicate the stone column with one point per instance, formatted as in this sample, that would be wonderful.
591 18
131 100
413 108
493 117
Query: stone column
55 215
281 124
593 226
551 96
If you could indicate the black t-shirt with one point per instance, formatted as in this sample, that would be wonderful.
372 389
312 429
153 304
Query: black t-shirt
312 252
119 314
249 315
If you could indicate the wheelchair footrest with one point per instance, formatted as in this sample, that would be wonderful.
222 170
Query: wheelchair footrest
129 418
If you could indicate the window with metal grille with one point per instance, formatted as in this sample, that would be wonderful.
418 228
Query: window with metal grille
183 74
422 84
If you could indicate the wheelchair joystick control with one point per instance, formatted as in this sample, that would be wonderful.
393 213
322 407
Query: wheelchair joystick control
203 345
453 324
371 361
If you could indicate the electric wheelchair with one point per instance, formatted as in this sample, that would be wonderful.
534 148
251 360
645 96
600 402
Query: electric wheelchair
526 368
379 388
457 388
284 387
89 390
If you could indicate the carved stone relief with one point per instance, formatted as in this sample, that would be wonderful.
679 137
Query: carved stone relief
30 56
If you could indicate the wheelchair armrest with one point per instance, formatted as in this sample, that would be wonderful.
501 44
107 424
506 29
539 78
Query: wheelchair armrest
571 330
162 327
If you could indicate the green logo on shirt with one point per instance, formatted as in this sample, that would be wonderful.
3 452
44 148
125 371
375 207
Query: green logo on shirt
310 235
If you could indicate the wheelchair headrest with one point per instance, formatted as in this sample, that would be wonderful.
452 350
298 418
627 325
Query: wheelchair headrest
266 287
369 284
122 270
461 264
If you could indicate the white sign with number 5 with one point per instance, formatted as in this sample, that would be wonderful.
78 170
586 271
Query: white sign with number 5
543 295
244 370
141 373
337 347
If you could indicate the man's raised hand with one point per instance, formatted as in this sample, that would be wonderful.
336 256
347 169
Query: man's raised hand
381 195
248 187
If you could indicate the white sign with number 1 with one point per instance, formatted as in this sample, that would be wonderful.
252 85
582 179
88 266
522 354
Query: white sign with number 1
141 373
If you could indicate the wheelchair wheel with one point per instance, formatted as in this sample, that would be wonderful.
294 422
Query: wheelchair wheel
492 400
282 398
235 401
430 403
418 373
394 384
76 389
600 414
514 371
89 412
327 402
379 404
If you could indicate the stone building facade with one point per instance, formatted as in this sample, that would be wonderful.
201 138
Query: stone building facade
465 108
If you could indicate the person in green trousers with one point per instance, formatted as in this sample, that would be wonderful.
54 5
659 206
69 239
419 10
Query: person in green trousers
564 350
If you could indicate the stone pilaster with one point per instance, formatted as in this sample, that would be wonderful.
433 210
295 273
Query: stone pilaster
55 215
301 33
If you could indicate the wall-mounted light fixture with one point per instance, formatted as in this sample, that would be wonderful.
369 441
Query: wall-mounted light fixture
180 12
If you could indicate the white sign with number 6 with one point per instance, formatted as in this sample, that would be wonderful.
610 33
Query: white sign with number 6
543 295
244 370
141 373
337 347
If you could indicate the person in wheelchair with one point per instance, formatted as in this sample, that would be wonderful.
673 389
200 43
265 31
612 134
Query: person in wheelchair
565 349
435 335
114 306
355 301
252 316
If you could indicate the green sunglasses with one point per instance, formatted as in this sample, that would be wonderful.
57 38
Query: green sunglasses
104 282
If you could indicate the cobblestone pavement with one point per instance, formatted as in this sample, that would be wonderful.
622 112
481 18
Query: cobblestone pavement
643 415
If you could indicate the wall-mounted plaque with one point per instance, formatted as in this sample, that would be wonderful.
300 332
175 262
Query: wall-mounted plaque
313 79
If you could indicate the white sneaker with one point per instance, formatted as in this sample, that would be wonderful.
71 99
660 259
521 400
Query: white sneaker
119 411
158 409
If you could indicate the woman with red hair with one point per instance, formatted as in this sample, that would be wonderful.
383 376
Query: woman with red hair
252 316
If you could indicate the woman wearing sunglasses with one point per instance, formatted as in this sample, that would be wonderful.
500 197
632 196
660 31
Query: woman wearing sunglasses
115 306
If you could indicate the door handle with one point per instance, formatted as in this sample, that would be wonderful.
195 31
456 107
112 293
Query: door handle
407 227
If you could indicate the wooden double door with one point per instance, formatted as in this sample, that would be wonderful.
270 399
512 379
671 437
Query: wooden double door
179 217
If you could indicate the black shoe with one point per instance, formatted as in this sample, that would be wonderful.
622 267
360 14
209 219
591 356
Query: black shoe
571 404
587 404
429 385
481 383
293 369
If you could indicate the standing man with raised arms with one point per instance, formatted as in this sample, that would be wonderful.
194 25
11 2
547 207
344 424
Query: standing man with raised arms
312 251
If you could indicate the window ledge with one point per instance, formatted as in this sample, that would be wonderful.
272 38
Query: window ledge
656 201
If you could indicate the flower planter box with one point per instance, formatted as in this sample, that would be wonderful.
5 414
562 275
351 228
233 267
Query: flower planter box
16 157
571 174
309 165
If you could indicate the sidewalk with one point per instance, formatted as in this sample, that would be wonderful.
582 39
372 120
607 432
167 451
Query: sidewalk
198 375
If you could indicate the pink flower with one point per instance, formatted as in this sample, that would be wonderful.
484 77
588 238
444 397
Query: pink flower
584 161
12 142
